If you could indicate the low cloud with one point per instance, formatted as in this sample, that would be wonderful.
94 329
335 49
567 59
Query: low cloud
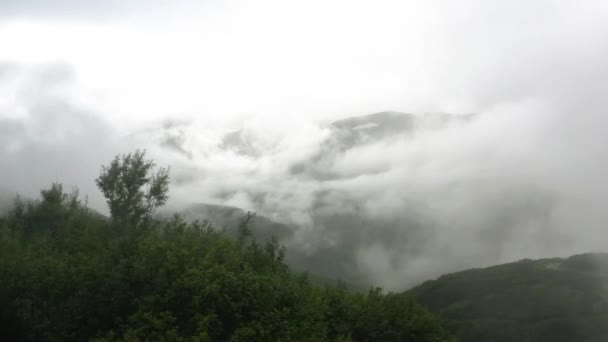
46 135
506 184
521 177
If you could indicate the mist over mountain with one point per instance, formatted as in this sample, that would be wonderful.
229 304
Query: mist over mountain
255 108
380 143
330 227
356 132
229 219
392 196
395 197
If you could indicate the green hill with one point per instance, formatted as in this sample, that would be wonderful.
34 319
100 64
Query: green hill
544 300
69 274
228 218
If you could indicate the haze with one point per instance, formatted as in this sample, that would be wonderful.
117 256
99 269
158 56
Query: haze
522 176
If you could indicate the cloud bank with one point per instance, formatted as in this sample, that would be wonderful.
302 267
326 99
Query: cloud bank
240 106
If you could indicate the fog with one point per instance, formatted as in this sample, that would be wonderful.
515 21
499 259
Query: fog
523 177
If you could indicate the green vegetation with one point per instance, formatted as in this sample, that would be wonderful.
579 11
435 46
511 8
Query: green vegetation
544 300
69 274
132 188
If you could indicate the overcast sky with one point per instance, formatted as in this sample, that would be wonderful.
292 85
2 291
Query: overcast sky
83 80
141 60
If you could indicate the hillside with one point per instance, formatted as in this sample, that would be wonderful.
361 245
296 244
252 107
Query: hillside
327 265
227 218
343 188
69 274
543 300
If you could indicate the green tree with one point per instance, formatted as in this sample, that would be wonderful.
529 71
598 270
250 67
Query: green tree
66 274
133 187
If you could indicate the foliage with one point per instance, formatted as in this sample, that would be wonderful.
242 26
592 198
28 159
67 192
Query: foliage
68 274
544 300
133 187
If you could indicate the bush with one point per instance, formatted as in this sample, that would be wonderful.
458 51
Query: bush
69 274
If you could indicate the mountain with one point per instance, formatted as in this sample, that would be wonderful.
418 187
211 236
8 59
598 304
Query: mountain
68 275
337 195
228 218
364 129
326 265
187 138
360 130
355 132
542 300
344 134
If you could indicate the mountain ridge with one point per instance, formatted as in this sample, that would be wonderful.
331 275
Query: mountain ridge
550 299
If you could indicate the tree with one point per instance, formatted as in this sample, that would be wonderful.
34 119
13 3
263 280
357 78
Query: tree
133 187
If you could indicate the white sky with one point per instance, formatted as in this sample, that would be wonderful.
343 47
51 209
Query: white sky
138 61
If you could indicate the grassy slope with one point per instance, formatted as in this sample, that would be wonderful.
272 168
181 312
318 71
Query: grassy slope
543 300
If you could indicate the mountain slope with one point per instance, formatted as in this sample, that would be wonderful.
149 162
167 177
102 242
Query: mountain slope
326 265
543 300
228 218
359 131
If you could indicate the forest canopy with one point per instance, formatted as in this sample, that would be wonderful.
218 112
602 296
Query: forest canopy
71 274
